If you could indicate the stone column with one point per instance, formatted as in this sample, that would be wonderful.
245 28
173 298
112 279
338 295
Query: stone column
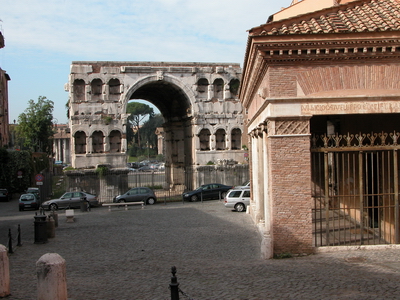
260 176
106 145
89 145
255 175
52 277
4 272
227 92
266 237
210 92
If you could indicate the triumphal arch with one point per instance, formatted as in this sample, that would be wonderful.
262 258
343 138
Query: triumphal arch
199 103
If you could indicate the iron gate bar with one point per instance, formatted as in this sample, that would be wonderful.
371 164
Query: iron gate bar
396 196
374 217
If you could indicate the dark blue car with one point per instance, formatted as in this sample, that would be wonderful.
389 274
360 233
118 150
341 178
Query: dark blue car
207 191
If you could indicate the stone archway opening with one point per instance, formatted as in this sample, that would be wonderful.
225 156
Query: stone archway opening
174 106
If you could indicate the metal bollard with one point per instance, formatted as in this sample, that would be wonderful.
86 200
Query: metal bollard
174 285
19 236
4 272
52 278
10 247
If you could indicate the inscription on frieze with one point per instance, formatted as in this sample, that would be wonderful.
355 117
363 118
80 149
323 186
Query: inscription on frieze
350 107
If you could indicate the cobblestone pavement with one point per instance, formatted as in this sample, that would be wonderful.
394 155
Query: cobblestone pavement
129 254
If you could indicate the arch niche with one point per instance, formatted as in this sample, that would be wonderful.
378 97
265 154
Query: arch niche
174 102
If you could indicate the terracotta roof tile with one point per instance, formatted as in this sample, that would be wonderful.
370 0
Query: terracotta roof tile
359 16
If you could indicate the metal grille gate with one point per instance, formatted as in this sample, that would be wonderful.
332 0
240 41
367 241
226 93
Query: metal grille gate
355 189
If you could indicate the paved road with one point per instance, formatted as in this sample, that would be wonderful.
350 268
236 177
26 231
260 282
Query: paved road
129 254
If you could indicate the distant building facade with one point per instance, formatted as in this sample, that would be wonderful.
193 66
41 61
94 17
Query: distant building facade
199 103
322 93
62 144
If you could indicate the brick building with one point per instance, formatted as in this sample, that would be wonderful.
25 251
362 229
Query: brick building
4 78
321 94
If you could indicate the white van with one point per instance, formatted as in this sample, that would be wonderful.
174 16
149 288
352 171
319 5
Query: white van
237 199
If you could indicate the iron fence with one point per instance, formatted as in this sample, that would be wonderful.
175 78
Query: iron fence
168 185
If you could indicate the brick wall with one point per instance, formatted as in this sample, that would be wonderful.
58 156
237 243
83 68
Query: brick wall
290 169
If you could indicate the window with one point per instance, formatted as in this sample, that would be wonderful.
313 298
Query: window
80 142
236 139
220 139
98 142
234 87
97 87
204 137
114 89
79 90
202 88
115 141
235 194
219 88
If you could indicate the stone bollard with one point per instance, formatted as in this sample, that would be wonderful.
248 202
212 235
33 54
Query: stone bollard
51 227
54 214
4 272
52 277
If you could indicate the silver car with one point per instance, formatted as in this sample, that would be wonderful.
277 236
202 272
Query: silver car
138 194
71 200
237 199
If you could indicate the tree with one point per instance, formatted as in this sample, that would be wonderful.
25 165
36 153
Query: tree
35 125
148 130
138 111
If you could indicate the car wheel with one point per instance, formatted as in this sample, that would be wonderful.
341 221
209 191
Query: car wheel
240 207
151 201
194 198
53 206
121 201
21 209
223 194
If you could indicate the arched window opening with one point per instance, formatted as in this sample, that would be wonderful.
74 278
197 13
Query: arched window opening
115 141
96 87
234 87
79 90
219 88
80 142
114 89
202 88
236 139
98 142
220 139
204 137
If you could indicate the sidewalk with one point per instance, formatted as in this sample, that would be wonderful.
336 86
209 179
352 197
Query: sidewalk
129 254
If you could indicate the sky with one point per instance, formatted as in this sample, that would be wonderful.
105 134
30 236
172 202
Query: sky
43 37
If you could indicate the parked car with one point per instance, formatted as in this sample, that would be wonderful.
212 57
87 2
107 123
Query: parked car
28 201
145 169
34 190
245 185
71 200
207 191
138 194
238 199
4 196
